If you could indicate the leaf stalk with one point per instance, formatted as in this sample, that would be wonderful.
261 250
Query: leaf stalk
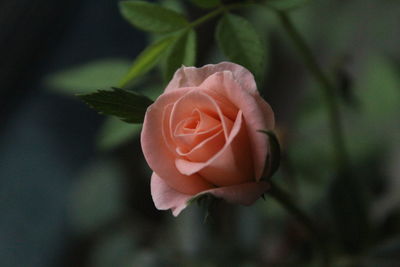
287 202
327 88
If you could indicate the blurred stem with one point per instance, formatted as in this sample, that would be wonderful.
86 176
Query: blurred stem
328 90
285 200
206 17
218 11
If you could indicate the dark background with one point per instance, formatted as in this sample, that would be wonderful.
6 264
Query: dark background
66 202
46 139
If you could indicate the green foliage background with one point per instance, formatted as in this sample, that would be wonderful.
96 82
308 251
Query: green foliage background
357 44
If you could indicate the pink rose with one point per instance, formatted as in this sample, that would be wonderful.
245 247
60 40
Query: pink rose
201 136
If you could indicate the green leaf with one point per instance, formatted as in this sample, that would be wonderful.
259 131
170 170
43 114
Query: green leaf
128 106
152 17
115 132
240 43
181 52
206 3
283 5
88 77
274 155
147 59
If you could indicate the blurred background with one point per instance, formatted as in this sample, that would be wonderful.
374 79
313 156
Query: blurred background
74 186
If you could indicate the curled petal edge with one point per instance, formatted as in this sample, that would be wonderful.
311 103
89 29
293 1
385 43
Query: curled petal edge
165 197
193 77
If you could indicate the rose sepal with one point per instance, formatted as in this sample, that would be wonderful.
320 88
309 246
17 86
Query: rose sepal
274 154
206 201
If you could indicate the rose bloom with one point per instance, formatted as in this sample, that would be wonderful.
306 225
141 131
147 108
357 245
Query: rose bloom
201 136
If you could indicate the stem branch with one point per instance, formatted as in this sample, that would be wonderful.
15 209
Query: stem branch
283 198
328 90
216 12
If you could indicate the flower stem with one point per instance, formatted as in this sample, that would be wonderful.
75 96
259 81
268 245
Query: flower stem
284 199
328 90
216 12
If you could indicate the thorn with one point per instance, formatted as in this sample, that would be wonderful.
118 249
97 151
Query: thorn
206 217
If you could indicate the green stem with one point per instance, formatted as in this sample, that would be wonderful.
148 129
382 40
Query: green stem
216 12
284 199
206 17
328 90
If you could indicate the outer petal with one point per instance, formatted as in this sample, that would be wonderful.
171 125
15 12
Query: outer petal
257 113
244 194
269 116
165 197
192 77
159 156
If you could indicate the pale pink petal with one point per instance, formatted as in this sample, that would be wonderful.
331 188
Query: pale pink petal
256 112
193 77
166 114
188 168
206 126
196 99
243 194
206 122
186 143
231 165
269 116
165 197
157 153
205 149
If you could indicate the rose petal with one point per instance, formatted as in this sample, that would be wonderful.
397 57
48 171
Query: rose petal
256 112
268 113
231 165
193 77
165 197
157 153
206 122
196 99
206 127
165 131
185 144
243 194
205 149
